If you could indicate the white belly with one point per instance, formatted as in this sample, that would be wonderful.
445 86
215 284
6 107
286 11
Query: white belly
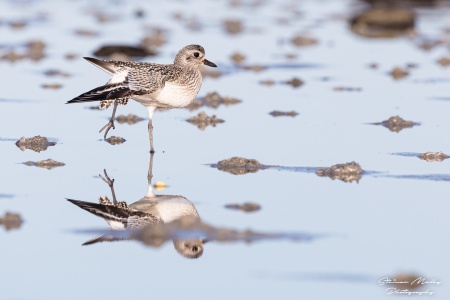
172 95
168 207
175 208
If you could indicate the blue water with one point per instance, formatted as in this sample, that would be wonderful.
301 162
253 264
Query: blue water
384 225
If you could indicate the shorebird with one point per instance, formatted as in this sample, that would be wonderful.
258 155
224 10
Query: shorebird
151 210
153 85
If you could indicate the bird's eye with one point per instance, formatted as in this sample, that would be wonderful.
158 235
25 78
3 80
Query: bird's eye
196 54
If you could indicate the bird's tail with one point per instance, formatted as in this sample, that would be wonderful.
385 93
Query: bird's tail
115 91
110 213
104 238
105 65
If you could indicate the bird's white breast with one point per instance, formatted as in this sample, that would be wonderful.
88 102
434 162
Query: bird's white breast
169 208
176 95
175 208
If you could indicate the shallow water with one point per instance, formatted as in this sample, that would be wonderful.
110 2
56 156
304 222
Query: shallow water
394 220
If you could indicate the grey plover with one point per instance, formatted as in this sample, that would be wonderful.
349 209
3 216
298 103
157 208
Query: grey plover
153 85
150 210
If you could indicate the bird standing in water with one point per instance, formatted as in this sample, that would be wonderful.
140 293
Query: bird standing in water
153 85
152 212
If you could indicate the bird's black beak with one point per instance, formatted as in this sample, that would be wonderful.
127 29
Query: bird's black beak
208 63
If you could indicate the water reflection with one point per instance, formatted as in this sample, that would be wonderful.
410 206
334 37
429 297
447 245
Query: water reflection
396 124
427 156
348 172
156 219
150 211
37 143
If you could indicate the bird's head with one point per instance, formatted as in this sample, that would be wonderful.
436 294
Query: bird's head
192 56
189 248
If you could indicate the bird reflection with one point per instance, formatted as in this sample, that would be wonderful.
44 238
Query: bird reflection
151 210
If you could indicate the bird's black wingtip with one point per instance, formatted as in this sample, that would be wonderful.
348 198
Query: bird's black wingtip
90 59
92 241
76 202
76 100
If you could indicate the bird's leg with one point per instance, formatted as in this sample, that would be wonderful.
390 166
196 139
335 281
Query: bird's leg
110 184
150 169
110 124
150 135
151 110
150 193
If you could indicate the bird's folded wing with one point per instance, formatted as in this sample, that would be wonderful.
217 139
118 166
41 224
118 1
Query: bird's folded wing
145 80
139 221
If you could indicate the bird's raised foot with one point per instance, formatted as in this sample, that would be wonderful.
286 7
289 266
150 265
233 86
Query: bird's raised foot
105 201
123 205
108 126
110 183
106 179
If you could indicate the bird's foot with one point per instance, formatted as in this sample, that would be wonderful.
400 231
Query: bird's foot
106 179
123 205
105 201
110 183
108 126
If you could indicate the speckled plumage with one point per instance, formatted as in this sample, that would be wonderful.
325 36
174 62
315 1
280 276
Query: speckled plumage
119 216
146 214
153 85
144 81
150 210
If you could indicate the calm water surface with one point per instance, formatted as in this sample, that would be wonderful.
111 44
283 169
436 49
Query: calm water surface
394 220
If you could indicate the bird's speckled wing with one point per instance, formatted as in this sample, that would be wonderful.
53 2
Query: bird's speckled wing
145 81
128 217
135 221
150 78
